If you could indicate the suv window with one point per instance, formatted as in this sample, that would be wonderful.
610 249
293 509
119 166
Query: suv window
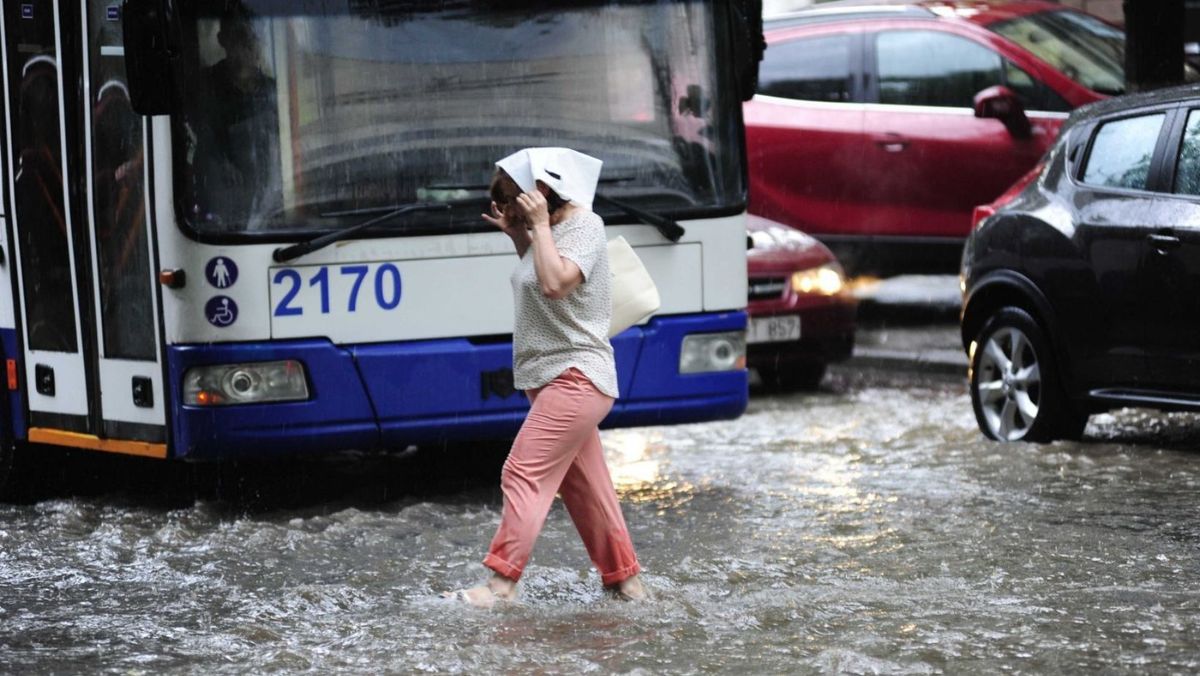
1034 94
930 68
1187 172
1121 152
810 69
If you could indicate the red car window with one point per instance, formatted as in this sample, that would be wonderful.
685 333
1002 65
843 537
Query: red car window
1080 46
1034 94
809 69
930 68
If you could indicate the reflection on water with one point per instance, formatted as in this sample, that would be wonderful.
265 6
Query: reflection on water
866 530
636 460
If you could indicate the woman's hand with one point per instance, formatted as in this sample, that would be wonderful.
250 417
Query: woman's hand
509 226
533 209
499 219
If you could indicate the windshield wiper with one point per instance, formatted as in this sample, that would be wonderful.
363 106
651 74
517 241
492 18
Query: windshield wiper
666 227
287 253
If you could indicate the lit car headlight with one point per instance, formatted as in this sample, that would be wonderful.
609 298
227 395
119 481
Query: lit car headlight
228 384
781 237
826 280
705 352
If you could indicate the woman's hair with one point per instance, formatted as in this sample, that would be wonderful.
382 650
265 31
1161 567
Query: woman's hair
501 180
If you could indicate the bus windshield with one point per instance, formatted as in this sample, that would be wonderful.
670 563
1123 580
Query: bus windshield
305 115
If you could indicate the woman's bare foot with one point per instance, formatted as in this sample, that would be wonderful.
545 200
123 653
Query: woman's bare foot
497 589
631 589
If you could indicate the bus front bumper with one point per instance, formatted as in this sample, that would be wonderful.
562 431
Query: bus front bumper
390 395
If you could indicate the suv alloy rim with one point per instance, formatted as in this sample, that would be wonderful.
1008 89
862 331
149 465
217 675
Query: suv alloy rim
1009 384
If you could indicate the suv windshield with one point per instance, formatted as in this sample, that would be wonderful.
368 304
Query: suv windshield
1080 46
299 116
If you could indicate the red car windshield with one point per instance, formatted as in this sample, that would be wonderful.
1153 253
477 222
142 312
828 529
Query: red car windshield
1082 47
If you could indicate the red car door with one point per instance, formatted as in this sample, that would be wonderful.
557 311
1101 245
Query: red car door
928 159
804 130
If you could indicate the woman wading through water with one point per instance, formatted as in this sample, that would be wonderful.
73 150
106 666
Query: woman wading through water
562 359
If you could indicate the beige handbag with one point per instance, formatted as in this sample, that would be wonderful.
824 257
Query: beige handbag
634 296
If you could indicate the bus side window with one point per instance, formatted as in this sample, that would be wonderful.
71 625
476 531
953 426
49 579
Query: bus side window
118 195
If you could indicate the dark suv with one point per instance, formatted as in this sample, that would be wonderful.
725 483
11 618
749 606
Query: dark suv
1082 289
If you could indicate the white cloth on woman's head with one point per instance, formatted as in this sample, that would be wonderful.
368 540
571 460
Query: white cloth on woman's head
567 172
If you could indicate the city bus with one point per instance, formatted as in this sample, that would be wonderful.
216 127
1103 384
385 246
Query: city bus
240 228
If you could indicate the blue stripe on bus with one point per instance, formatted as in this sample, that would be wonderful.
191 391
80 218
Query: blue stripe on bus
658 376
337 416
660 395
423 390
389 395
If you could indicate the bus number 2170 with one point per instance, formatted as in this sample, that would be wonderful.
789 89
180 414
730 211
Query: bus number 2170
324 289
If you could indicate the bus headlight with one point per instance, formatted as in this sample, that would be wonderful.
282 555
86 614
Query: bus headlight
825 280
705 352
228 384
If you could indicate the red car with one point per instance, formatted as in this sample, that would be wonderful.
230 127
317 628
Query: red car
885 124
801 315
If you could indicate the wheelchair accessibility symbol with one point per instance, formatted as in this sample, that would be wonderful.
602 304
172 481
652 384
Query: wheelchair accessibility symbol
221 311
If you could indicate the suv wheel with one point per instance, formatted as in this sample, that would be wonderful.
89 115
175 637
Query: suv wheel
1016 390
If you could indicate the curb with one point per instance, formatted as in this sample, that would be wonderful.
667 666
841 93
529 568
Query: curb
870 311
940 362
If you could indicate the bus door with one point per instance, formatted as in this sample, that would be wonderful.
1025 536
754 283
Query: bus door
78 181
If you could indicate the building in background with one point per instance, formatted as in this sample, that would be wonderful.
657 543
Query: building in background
774 7
1109 10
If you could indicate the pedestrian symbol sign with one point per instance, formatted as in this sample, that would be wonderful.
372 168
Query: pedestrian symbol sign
221 272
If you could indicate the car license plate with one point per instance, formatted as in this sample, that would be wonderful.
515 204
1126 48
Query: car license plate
773 329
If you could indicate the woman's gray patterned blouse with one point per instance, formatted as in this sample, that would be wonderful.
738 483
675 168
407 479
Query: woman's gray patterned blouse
550 336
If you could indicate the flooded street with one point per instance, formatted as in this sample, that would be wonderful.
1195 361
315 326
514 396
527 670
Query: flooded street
867 528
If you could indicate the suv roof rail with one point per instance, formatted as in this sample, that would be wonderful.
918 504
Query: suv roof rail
846 12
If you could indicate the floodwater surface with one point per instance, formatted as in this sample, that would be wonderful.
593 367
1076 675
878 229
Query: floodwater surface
864 529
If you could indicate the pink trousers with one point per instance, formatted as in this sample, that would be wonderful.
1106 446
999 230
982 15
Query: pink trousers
558 451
